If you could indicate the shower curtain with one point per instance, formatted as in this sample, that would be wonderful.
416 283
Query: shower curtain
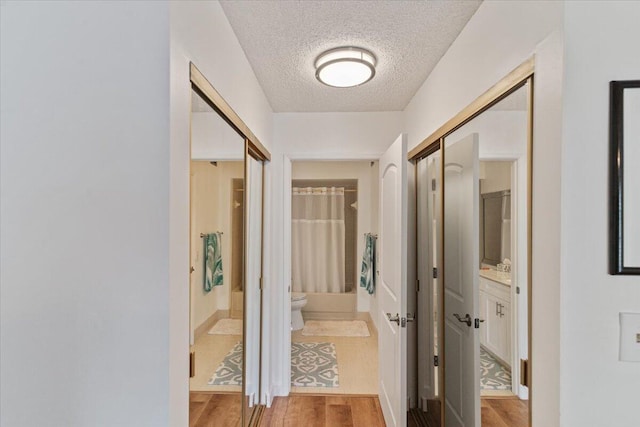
318 239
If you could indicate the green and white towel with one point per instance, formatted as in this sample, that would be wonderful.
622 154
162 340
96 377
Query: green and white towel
212 261
367 273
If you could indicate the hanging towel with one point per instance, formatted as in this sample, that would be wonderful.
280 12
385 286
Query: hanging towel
212 261
367 276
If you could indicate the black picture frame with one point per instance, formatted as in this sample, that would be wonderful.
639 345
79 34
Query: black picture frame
616 177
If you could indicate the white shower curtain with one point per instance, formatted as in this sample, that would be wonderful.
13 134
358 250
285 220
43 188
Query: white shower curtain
317 239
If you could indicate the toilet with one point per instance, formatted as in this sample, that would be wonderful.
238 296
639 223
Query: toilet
298 300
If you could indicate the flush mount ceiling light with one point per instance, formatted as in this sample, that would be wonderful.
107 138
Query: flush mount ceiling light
345 67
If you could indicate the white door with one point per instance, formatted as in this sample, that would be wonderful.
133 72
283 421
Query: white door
461 264
391 286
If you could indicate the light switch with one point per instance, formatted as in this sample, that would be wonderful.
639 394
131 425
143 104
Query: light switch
630 337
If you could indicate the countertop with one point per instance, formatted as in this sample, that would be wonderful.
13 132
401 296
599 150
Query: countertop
492 274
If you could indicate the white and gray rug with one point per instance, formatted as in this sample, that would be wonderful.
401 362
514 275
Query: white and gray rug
229 372
493 375
336 328
314 364
227 327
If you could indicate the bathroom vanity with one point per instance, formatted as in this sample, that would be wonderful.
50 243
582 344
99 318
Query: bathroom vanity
495 309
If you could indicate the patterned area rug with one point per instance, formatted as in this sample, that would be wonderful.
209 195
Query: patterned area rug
336 328
314 364
230 370
493 376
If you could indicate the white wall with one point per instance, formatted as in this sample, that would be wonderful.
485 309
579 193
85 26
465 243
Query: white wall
592 299
84 213
503 134
201 33
498 38
214 139
367 187
336 135
497 176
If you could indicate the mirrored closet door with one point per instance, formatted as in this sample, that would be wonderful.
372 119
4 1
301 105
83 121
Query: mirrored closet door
253 283
226 168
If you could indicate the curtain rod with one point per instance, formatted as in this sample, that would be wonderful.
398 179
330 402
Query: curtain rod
346 190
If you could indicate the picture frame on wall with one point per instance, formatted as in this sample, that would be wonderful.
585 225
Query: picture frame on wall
624 177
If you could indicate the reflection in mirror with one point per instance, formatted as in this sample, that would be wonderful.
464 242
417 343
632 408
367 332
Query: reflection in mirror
486 262
216 257
252 290
429 223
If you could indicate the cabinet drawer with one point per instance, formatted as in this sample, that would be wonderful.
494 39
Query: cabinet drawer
496 289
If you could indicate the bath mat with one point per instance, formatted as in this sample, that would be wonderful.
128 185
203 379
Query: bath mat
335 328
227 327
493 376
314 364
230 370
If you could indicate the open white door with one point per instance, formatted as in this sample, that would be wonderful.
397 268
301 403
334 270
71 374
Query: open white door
391 284
461 264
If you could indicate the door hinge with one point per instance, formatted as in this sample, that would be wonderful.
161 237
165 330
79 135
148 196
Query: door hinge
260 283
518 290
433 185
435 361
192 364
435 273
417 285
524 372
476 323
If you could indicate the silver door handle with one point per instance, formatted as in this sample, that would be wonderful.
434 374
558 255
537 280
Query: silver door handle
466 319
395 318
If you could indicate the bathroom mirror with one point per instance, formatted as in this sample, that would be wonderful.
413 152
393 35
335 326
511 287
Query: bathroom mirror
495 218
624 179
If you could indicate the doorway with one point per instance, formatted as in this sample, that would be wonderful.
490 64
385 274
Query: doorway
334 347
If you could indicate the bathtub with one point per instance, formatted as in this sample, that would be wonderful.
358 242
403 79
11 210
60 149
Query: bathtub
328 306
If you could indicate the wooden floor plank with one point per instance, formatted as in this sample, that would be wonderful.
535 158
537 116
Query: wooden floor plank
490 418
306 410
339 415
366 412
323 411
222 410
197 403
513 412
274 416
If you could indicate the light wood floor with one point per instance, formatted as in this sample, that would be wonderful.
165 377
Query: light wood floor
214 410
509 412
324 411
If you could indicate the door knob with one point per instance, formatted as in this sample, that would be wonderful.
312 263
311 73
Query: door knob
395 318
466 319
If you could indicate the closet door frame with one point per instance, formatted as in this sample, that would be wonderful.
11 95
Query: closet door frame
516 79
255 149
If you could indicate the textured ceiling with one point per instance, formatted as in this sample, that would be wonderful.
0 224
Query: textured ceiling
282 39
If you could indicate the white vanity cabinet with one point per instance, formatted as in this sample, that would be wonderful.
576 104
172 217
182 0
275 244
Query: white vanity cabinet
495 309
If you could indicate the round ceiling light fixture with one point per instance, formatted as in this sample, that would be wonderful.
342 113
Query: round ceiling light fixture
345 67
